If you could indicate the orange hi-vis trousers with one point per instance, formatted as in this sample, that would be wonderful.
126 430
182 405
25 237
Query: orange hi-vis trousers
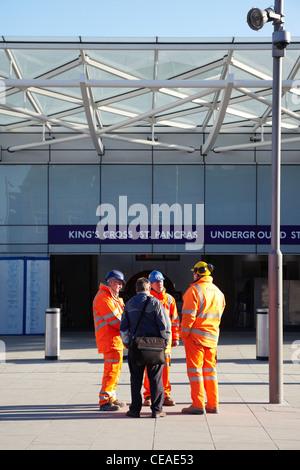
201 371
165 377
112 368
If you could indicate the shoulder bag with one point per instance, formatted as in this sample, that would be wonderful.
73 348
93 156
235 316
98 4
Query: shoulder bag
147 350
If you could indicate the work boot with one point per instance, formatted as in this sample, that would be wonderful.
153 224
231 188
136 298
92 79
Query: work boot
168 402
211 409
147 401
193 410
121 404
109 406
158 414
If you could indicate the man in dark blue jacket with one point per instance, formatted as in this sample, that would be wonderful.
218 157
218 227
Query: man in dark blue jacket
155 322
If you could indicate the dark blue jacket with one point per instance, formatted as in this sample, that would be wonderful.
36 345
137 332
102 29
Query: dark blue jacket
155 321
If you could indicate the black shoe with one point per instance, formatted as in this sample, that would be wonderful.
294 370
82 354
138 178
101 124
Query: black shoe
161 414
132 414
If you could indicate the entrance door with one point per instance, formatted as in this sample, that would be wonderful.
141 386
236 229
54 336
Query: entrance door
129 290
73 285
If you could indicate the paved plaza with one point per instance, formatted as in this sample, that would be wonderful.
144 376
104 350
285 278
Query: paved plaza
53 405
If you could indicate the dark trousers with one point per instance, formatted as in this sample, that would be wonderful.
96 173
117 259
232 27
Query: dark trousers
156 386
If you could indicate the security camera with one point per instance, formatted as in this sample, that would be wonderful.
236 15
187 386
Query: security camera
281 39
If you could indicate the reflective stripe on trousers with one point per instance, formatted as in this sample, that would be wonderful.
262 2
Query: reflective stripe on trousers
201 371
112 368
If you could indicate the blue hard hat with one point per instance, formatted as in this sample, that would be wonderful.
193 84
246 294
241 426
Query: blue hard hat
116 274
156 276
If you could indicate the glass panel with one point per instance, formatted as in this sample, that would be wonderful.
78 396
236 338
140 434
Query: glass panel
289 191
230 249
23 234
230 195
133 105
125 206
290 195
133 181
79 249
50 105
178 184
175 248
23 249
264 195
34 63
260 61
117 248
73 194
137 64
18 98
23 195
179 191
5 66
176 63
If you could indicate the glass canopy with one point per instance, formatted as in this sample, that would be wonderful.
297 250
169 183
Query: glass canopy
96 88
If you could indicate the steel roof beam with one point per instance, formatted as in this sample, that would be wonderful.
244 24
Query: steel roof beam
164 45
208 144
113 127
250 145
151 84
216 98
89 111
107 136
87 72
22 112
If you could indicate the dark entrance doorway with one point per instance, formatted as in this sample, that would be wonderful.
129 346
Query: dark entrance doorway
73 285
129 290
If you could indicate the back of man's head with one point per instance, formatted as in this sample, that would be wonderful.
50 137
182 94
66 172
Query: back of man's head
142 285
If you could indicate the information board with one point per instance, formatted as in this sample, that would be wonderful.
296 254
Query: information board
24 295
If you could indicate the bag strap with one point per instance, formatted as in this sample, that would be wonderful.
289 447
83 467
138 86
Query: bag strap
143 311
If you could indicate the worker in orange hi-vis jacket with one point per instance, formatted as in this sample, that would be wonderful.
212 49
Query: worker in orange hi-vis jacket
203 305
107 310
158 291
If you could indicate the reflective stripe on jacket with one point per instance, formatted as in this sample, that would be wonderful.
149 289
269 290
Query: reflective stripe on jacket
170 307
203 305
107 311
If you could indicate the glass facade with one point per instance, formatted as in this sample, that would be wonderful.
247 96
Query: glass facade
48 209
230 195
73 194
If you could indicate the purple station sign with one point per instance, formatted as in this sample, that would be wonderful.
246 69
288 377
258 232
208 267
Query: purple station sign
210 234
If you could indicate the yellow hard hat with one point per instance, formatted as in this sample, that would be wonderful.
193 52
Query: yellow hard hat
203 268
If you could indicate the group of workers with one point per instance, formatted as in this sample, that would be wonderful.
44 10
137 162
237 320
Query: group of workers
203 305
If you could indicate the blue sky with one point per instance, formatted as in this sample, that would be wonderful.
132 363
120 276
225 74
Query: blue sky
139 18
